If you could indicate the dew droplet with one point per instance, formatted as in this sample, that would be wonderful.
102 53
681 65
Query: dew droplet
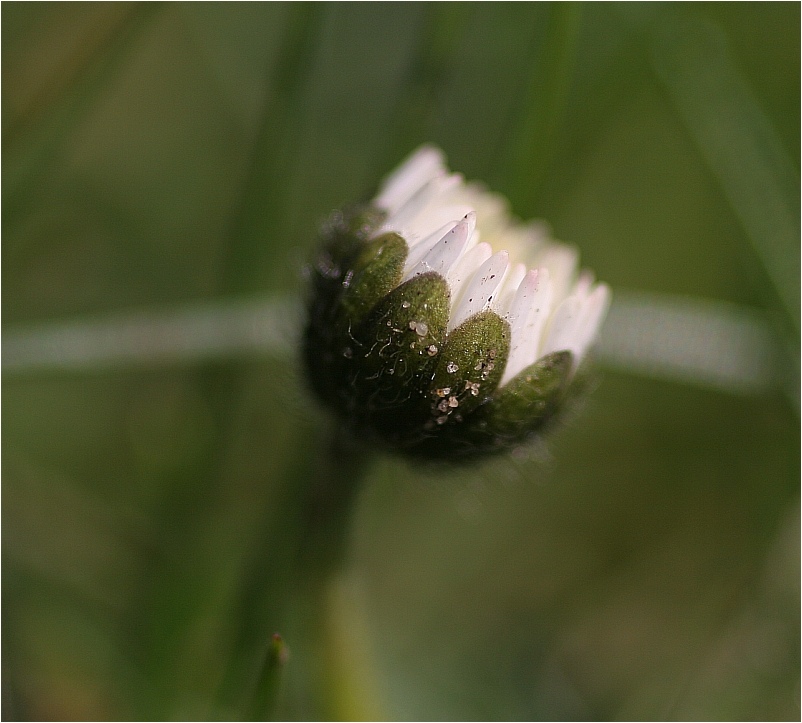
432 350
451 367
405 304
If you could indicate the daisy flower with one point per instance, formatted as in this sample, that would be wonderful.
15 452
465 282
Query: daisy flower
440 326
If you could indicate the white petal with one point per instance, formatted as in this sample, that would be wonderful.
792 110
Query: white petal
528 314
593 312
542 307
561 334
430 220
584 285
464 269
420 203
478 291
561 261
414 173
447 250
509 287
491 209
520 308
424 246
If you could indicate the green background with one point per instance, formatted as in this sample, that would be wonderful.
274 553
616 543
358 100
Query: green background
641 563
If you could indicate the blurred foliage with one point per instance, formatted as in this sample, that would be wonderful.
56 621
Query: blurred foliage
642 564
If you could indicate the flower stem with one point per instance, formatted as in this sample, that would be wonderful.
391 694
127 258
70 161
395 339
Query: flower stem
328 506
326 511
288 589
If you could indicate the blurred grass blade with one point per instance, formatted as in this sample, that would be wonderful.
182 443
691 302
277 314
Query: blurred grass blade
189 334
442 26
738 142
542 106
263 210
267 689
33 149
706 343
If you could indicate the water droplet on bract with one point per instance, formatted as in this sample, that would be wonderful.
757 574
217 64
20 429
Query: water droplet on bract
432 350
405 304
422 328
451 367
453 402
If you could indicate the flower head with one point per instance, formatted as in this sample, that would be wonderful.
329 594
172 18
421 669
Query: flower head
439 326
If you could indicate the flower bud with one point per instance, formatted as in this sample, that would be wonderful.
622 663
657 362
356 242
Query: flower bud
438 326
